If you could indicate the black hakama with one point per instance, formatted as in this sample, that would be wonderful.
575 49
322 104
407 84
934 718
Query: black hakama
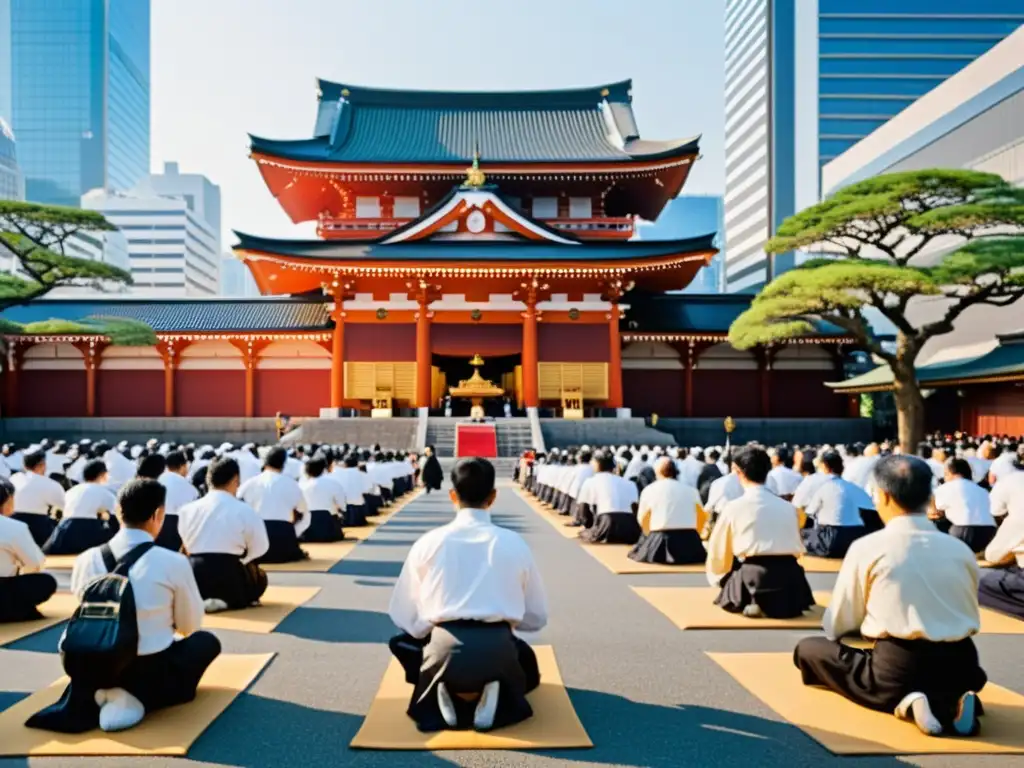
324 526
74 535
566 505
169 537
678 547
355 515
831 541
613 528
373 504
1002 589
977 537
881 677
386 496
40 526
20 596
225 577
777 584
158 680
872 520
466 656
284 544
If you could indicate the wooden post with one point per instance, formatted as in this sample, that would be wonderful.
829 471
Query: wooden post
530 295
614 358
338 353
423 293
15 353
171 358
92 351
690 362
250 350
764 372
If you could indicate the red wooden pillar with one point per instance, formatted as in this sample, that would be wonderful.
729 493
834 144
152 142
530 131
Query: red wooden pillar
689 361
614 358
170 352
423 294
250 350
338 355
92 351
530 295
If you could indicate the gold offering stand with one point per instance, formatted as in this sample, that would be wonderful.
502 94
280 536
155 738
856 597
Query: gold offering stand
476 388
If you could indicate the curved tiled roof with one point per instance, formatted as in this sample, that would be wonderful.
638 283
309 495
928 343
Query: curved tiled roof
216 315
357 124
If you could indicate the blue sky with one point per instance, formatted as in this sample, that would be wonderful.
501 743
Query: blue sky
224 68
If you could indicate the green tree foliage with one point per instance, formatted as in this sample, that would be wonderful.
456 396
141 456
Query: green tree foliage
881 237
37 237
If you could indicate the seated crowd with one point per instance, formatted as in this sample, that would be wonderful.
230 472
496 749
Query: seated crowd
908 529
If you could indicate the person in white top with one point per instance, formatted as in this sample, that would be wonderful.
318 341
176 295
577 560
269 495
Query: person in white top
607 506
22 587
1007 495
37 498
754 546
782 480
859 463
671 517
277 498
89 519
914 590
925 451
463 589
224 538
839 510
179 493
166 671
812 478
326 500
1002 588
355 485
961 508
248 464
120 468
722 491
692 466
1003 465
574 478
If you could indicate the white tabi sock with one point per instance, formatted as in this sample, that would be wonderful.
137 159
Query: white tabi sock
214 605
121 711
915 707
487 707
444 702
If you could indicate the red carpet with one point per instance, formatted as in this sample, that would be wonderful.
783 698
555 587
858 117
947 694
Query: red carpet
476 440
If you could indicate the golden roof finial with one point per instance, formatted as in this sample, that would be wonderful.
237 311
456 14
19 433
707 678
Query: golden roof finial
474 176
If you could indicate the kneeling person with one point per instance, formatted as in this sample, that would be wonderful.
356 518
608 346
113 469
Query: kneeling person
463 589
326 500
223 537
671 515
1003 588
835 509
754 546
88 514
22 588
961 507
913 589
607 506
164 672
277 499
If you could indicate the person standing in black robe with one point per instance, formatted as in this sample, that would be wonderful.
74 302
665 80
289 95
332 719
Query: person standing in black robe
914 590
431 475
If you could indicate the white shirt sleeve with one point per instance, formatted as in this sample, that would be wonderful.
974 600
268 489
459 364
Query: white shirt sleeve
999 499
256 540
339 496
244 488
55 495
404 608
187 602
29 556
535 616
1009 539
299 505
848 605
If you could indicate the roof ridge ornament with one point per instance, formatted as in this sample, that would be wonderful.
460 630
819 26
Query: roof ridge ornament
475 178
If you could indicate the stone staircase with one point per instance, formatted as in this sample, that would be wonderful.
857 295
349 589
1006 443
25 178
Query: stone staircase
513 435
396 433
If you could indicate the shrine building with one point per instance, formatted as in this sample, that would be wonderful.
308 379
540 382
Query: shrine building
450 225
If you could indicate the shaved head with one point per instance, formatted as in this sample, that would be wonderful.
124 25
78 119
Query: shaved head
665 467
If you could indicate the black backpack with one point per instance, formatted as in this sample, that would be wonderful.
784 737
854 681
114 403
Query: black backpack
102 638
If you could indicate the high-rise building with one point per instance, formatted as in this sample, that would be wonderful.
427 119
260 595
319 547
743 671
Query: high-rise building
236 280
172 223
692 216
78 74
11 184
806 80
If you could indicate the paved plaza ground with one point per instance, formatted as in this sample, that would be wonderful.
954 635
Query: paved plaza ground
644 690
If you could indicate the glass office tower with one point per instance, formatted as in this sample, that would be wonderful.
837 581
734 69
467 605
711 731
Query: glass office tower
876 57
807 79
79 81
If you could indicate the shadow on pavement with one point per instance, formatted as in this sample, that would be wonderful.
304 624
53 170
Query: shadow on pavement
338 625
